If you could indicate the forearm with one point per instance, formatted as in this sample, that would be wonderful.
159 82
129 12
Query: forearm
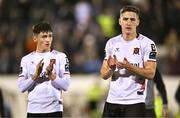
145 72
25 84
106 73
61 83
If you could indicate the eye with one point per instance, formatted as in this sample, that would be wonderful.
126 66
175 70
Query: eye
132 19
44 36
125 19
50 35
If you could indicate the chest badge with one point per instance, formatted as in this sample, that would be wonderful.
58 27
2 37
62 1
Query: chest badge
136 51
53 61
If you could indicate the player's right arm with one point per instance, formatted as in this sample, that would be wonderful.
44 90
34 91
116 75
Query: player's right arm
105 71
108 67
26 82
109 63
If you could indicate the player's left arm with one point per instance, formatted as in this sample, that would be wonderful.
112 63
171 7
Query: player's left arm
148 71
25 83
149 52
61 81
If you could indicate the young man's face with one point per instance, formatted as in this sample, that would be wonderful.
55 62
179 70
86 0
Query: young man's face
44 40
129 21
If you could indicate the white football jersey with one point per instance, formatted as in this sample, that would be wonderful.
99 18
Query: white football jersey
129 88
44 95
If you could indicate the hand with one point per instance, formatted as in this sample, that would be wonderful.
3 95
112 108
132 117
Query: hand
49 68
52 76
164 112
112 62
124 64
39 67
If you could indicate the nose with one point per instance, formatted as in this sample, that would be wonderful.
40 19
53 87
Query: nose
128 22
48 38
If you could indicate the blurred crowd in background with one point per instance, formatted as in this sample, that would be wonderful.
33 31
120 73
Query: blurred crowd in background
82 27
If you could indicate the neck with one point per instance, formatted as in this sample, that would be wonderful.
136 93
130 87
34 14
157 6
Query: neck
42 50
129 37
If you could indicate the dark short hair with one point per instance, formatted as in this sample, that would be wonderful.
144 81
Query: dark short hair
42 27
130 8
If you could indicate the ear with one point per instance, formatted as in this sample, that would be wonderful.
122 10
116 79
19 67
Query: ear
120 21
138 21
34 38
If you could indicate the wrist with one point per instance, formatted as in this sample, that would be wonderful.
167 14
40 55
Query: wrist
128 66
111 70
52 76
165 106
35 76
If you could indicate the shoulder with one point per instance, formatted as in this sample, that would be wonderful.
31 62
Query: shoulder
58 53
114 39
145 40
28 56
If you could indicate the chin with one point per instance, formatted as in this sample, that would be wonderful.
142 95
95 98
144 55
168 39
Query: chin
128 33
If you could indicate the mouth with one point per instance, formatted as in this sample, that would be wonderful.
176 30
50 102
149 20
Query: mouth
128 28
47 44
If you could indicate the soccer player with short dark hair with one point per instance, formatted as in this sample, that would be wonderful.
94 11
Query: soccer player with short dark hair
44 74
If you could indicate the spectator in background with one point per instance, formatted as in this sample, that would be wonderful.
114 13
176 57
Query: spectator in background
1 104
92 62
177 98
5 111
150 99
177 94
173 49
95 94
83 13
107 22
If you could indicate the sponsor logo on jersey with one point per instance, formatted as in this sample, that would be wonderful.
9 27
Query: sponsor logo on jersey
135 64
152 55
117 50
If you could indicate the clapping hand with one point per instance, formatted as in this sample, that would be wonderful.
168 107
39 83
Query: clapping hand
39 68
112 62
49 72
124 64
49 68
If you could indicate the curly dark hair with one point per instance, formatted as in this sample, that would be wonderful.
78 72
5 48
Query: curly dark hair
42 27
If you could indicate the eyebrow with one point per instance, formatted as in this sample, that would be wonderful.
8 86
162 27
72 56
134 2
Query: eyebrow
131 19
46 35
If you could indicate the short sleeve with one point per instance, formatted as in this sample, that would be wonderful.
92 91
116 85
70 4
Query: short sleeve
150 51
64 64
23 68
108 49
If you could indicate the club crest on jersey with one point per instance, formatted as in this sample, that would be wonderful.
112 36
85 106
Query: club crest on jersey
53 61
136 51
